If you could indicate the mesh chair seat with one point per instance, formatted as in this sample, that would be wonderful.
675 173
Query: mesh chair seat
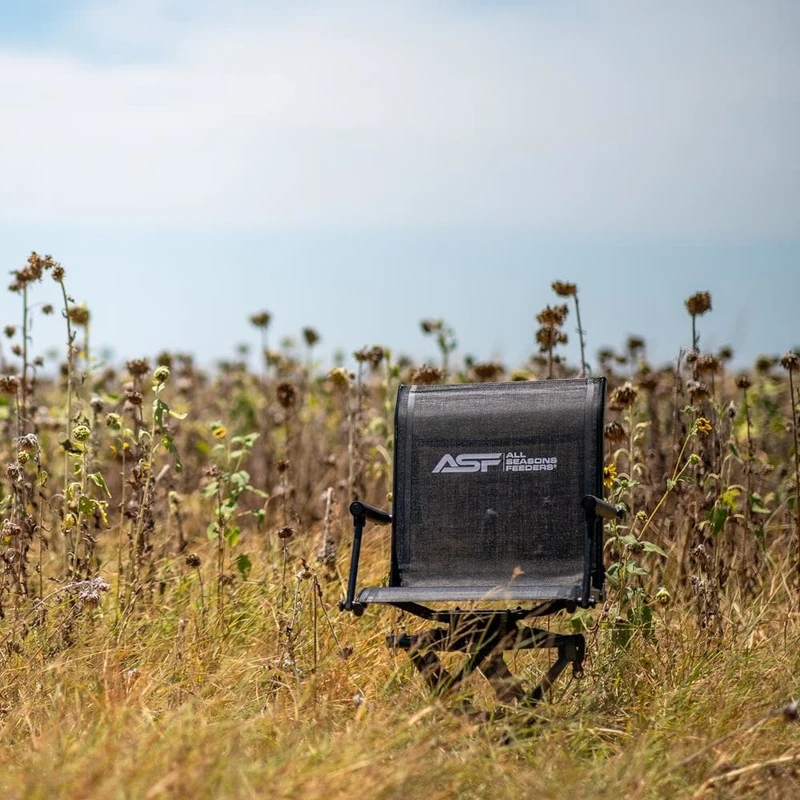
551 587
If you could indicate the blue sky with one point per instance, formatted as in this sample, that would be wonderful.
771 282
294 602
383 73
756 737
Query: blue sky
358 166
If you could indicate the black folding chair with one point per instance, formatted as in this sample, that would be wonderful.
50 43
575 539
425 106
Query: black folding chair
497 492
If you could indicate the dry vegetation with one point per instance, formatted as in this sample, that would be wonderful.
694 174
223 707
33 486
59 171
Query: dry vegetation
173 544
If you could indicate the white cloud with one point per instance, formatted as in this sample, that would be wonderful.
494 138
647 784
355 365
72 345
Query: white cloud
670 121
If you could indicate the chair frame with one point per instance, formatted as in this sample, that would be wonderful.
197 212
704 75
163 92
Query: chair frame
484 635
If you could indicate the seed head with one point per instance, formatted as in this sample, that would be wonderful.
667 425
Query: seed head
9 330
376 355
552 317
261 319
138 367
133 397
487 371
743 381
285 533
28 443
90 591
623 396
339 378
699 303
81 433
614 432
431 325
791 362
663 596
193 561
78 315
161 375
311 336
765 363
564 289
9 384
605 354
697 391
425 375
548 337
10 529
113 421
635 344
286 394
708 364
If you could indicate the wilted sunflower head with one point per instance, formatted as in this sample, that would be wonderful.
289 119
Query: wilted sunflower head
553 316
340 378
487 371
261 319
9 384
623 396
310 336
431 325
708 364
791 362
78 315
564 289
699 303
138 367
697 391
635 344
425 375
614 432
286 394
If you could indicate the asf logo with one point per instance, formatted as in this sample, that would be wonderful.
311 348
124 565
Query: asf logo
468 462
506 462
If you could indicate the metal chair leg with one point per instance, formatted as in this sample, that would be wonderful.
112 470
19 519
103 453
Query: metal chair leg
484 644
507 687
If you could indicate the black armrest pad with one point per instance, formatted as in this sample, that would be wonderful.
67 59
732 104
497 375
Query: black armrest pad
359 509
594 505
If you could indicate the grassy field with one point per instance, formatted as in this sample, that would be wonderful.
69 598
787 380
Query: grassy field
174 539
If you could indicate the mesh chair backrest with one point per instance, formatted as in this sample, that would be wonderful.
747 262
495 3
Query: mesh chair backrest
489 480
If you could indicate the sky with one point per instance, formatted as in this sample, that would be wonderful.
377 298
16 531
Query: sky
359 166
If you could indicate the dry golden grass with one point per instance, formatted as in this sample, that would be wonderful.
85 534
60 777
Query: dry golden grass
184 639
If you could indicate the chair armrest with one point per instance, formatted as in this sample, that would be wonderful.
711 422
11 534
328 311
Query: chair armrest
595 507
365 512
361 513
